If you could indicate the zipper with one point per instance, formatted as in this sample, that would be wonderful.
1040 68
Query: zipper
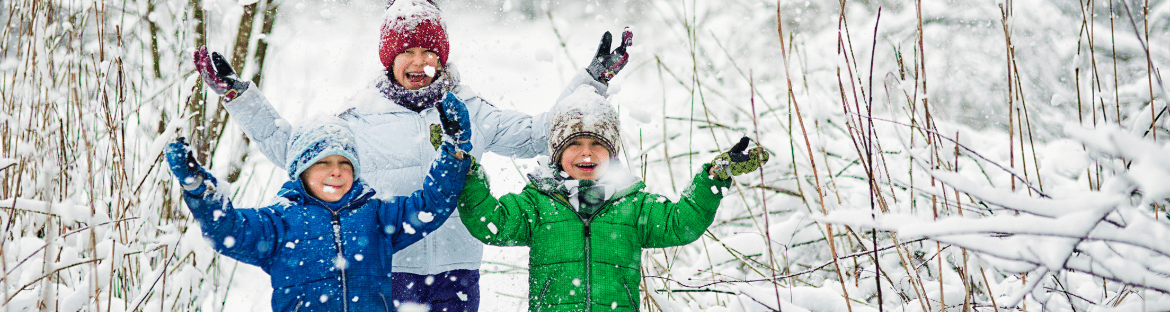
341 254
425 131
588 268
588 246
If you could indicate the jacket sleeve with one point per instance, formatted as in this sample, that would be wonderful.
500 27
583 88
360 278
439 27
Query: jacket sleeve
400 216
665 224
502 222
515 134
506 132
261 122
247 235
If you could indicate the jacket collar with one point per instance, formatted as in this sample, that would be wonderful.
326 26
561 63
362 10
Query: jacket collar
550 180
294 191
372 99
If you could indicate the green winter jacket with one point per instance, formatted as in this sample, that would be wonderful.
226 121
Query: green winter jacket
594 263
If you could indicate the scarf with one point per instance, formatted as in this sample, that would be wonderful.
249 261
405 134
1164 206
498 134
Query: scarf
423 98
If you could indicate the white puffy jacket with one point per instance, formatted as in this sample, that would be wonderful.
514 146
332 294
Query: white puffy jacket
395 152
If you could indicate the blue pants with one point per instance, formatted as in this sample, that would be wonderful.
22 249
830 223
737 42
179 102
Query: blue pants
451 291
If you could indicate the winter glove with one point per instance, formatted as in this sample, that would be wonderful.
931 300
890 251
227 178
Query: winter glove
606 64
456 122
195 180
221 78
739 160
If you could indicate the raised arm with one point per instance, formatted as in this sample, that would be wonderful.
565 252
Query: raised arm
247 106
673 224
442 185
515 134
247 235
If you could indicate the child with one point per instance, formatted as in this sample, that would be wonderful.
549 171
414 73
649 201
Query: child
587 224
328 242
393 118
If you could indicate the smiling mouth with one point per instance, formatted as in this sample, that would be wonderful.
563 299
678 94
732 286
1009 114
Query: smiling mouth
416 77
586 166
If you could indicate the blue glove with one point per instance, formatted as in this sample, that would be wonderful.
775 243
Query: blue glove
195 180
456 123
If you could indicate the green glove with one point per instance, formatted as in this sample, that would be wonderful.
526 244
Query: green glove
739 160
436 135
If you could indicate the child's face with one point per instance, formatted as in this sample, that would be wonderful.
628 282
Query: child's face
585 158
330 178
410 68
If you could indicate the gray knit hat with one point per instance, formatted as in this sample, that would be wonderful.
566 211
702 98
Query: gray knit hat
583 113
318 139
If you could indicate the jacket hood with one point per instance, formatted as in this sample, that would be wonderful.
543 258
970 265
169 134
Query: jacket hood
295 193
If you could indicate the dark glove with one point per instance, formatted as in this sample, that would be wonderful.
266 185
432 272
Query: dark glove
606 64
739 160
456 122
221 78
194 179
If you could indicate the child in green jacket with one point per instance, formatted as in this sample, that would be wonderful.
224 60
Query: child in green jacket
586 225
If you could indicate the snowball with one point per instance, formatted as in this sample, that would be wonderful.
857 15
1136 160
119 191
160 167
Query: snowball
429 70
426 217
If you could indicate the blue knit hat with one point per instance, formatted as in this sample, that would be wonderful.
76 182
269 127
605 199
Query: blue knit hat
318 139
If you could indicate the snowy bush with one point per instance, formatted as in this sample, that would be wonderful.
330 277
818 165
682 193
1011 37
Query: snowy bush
986 176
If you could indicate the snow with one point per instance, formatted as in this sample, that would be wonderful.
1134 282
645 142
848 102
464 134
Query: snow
426 217
1099 226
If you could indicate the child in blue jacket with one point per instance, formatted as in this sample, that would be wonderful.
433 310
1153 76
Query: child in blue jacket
328 242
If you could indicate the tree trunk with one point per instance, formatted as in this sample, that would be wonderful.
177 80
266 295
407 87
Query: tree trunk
262 44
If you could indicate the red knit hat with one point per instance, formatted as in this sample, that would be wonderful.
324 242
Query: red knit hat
409 24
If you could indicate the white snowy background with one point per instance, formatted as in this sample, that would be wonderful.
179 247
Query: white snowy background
1030 176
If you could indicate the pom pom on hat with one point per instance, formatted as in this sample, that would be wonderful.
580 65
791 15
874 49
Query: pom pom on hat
412 23
583 113
318 139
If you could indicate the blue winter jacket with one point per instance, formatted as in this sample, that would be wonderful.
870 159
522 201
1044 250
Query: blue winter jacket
325 256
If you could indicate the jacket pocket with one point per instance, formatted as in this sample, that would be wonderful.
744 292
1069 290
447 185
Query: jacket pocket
540 300
630 296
